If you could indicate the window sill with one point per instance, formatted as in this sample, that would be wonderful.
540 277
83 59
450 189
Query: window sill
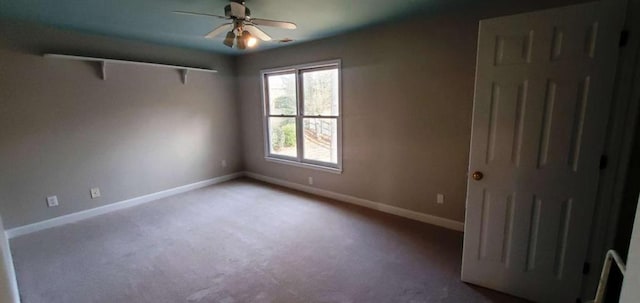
332 170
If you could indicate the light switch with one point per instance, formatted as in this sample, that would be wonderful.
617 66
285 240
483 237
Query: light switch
440 198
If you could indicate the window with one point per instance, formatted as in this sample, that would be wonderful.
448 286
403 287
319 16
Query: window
302 115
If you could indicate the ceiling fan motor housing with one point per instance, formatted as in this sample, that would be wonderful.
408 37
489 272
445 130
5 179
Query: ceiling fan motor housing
227 10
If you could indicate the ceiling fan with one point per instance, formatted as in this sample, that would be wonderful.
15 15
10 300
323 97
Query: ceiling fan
241 28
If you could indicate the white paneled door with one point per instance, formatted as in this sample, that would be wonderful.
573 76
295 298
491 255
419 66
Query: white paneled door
543 89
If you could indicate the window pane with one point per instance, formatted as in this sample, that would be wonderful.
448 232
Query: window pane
282 136
321 92
282 94
321 139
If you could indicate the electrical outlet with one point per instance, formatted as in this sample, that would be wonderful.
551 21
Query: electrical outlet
52 201
223 163
440 198
310 180
95 192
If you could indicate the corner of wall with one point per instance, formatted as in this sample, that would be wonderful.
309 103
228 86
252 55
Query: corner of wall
8 284
235 65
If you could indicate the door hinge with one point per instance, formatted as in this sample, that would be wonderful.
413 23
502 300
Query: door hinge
624 38
604 161
586 268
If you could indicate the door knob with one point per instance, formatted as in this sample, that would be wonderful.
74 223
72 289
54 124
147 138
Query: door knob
477 175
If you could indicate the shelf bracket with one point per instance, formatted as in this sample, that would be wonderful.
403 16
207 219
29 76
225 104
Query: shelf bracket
183 75
103 70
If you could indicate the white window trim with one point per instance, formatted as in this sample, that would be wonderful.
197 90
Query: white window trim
300 161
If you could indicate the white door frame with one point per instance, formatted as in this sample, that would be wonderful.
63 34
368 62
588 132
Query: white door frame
618 148
630 292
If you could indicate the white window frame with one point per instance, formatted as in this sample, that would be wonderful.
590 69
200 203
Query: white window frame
300 161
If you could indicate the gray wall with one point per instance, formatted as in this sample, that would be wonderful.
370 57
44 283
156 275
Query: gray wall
408 91
64 130
407 105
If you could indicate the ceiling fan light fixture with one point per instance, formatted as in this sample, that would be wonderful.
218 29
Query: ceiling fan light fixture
238 17
241 42
246 40
228 40
250 40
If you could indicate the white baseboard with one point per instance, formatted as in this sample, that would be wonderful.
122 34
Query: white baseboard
410 214
70 218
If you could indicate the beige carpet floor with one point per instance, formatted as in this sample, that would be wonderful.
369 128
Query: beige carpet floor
244 241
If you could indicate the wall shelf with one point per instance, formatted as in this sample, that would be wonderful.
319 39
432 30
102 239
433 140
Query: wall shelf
183 70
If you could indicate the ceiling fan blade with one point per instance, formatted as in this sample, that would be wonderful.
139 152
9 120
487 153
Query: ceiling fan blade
274 23
199 14
258 33
219 30
237 10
